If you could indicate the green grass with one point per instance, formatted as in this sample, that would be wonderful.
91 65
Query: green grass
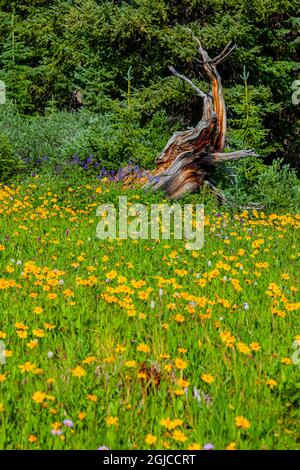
183 308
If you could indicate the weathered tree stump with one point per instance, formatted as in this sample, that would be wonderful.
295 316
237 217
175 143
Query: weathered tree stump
190 156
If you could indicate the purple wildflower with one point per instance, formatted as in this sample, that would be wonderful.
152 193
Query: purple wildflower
68 422
208 446
56 432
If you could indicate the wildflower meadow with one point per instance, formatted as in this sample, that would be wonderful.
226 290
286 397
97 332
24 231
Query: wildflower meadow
149 232
143 344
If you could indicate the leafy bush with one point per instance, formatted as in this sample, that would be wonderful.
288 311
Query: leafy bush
9 163
33 137
274 187
114 138
278 187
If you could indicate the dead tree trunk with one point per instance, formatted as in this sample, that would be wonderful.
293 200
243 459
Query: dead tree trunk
190 156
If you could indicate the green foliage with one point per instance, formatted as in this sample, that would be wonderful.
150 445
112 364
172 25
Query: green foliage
275 186
49 49
113 138
116 138
9 164
249 105
34 137
278 187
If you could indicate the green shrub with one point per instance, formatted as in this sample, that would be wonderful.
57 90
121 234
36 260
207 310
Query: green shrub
33 137
278 187
117 137
113 138
10 164
274 187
